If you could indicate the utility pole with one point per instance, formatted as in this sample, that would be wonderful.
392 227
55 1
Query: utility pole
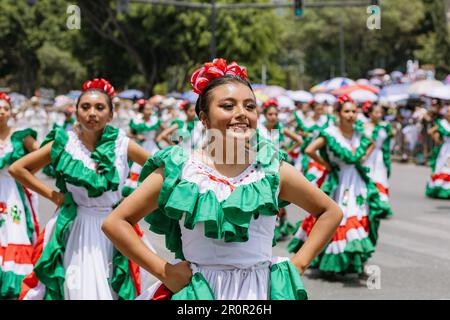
341 47
213 29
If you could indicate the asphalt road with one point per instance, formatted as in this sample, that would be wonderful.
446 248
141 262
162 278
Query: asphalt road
412 258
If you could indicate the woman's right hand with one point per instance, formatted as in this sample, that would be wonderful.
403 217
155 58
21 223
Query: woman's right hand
177 276
57 198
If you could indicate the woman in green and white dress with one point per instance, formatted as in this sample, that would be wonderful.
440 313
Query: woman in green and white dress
143 129
19 223
188 133
272 129
73 259
438 186
343 150
219 218
379 161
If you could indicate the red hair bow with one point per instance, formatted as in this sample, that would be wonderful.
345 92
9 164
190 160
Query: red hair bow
141 102
345 98
366 106
211 70
4 96
101 84
270 102
183 104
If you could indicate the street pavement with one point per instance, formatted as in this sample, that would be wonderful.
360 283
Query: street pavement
412 257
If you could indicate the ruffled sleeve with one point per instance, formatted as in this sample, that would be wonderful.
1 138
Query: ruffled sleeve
76 172
18 148
229 219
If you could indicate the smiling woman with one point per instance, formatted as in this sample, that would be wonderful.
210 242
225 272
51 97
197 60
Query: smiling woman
219 217
72 257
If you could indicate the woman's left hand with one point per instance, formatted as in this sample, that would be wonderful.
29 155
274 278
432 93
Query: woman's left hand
300 266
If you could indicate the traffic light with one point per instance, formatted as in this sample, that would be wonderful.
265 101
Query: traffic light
123 6
298 7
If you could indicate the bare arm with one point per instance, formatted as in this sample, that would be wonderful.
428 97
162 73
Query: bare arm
294 137
166 133
30 144
295 188
311 151
433 132
118 227
22 170
137 154
368 151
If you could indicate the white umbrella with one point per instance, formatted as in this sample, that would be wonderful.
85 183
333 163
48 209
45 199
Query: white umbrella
423 87
286 102
300 95
363 95
324 97
441 92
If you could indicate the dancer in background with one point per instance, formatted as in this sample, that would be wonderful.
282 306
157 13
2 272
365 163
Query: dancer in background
272 129
379 160
73 259
438 185
343 150
19 223
143 129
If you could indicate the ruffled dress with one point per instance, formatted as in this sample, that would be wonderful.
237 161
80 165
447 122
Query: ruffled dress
223 226
73 258
189 135
283 227
379 161
438 185
356 194
66 126
148 129
19 224
313 171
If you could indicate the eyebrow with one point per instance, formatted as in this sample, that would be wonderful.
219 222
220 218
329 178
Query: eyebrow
234 100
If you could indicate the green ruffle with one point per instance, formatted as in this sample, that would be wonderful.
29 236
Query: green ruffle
386 148
286 283
437 192
49 269
434 156
184 128
441 129
355 254
121 281
73 171
229 219
28 214
18 148
197 289
10 284
143 127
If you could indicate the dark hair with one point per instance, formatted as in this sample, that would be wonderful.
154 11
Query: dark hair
205 97
108 98
265 110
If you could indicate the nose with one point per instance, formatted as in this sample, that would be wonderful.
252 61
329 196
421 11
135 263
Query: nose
240 111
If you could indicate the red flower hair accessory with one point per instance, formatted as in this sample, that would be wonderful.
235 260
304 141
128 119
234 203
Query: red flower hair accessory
345 98
270 103
216 69
183 104
101 84
366 106
4 96
141 102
